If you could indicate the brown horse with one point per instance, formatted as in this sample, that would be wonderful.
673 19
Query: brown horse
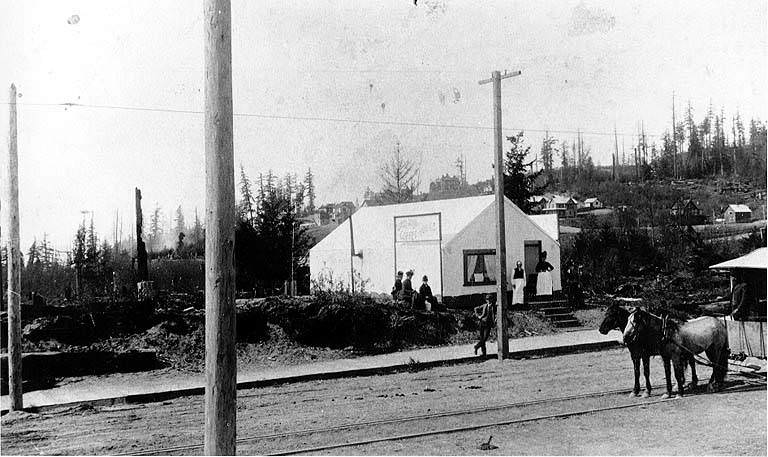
679 343
615 318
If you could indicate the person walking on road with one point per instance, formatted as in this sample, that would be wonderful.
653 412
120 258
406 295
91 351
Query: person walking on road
485 313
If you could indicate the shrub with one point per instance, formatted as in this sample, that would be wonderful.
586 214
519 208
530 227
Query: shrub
337 318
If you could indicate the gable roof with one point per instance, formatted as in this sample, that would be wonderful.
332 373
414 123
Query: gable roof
739 208
755 259
684 203
455 215
561 200
591 200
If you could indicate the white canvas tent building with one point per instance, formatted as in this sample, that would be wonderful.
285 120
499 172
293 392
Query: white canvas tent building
451 241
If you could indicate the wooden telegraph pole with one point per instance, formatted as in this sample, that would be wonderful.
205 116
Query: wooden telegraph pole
14 266
220 356
501 244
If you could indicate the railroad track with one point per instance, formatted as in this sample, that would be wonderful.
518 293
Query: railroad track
360 433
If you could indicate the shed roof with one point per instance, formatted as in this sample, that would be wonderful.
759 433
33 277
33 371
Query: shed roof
740 208
755 259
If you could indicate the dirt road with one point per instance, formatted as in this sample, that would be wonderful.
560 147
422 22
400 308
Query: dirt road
732 423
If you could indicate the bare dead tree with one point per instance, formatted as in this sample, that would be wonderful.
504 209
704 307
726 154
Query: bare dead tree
400 176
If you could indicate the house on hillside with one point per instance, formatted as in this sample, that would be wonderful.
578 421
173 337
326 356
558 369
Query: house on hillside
451 241
446 185
737 213
687 212
325 213
593 203
562 206
341 211
538 203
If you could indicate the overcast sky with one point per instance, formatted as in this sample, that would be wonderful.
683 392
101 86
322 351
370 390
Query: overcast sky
304 72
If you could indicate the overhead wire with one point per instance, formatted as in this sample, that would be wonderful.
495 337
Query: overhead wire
331 119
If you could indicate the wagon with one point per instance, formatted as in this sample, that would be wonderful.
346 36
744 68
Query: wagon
747 330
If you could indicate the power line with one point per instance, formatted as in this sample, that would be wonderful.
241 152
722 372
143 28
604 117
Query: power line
326 119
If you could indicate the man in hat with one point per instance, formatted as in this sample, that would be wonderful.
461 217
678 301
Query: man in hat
486 314
407 292
425 296
398 285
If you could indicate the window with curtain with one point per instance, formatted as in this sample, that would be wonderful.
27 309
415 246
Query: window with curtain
479 267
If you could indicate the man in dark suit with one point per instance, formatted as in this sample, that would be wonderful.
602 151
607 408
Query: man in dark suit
398 286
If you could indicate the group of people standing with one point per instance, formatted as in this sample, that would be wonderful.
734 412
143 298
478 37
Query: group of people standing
403 291
486 313
543 279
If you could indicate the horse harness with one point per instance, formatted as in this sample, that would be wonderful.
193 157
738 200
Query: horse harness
667 337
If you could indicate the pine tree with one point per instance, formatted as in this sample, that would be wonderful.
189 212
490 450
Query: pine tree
246 207
198 238
309 185
548 150
33 255
78 256
519 184
155 229
180 224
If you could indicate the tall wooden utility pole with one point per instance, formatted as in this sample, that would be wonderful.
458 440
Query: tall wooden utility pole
14 265
501 243
220 355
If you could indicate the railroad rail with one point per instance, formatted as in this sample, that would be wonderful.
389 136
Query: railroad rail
746 385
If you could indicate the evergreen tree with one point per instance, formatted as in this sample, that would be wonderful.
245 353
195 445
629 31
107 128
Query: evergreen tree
33 256
198 238
180 224
519 184
247 202
155 229
548 150
309 185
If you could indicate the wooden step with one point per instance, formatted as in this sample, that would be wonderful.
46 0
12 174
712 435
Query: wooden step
554 310
567 323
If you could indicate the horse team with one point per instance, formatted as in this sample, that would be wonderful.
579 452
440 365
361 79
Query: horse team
646 335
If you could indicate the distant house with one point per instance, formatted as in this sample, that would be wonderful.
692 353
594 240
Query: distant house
538 203
563 206
737 213
593 203
312 220
446 185
325 214
687 212
341 211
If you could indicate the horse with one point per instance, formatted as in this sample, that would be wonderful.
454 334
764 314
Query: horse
679 343
615 318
